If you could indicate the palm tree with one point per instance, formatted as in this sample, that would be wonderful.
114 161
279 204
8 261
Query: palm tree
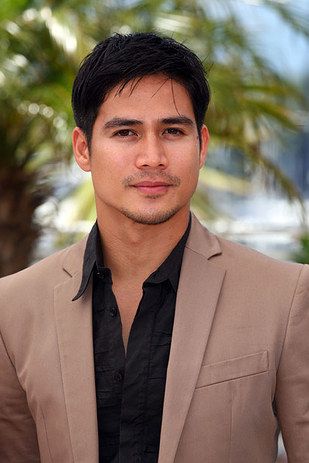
42 43
35 78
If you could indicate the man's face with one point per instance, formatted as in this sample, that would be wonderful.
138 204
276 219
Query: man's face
145 153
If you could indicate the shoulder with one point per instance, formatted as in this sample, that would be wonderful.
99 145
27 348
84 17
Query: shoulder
241 260
253 283
48 272
264 272
233 252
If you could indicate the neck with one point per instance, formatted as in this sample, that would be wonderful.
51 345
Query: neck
133 251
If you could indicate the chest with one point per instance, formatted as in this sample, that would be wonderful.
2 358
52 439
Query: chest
128 300
121 308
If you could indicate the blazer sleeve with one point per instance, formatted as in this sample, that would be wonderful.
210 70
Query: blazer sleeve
18 440
292 390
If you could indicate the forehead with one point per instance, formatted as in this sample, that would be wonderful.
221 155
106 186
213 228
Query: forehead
153 95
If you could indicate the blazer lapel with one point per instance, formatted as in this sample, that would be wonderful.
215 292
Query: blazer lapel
199 288
74 329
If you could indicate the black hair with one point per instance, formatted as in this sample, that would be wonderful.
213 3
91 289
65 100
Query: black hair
122 58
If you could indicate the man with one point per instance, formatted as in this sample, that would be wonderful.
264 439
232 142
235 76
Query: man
153 340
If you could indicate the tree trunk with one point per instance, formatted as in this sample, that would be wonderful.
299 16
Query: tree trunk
19 197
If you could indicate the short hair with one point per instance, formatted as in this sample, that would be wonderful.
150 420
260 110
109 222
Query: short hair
120 59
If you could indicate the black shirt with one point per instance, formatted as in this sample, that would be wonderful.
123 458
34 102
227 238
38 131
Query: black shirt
130 386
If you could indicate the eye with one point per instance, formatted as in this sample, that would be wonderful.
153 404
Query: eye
174 131
123 133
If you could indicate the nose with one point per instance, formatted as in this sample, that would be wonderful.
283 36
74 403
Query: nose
151 153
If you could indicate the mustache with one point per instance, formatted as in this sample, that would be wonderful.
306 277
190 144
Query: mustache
156 176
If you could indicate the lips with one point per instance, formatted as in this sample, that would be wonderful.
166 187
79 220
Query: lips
152 187
151 184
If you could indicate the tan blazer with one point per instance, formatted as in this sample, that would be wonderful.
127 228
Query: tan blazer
239 360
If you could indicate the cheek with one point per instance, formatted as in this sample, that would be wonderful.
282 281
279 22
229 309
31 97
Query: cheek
192 180
192 175
108 173
105 162
190 167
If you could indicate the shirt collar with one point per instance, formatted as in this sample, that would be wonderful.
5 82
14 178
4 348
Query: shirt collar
89 260
170 268
93 259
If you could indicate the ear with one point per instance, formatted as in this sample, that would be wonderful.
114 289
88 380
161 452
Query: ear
81 149
203 145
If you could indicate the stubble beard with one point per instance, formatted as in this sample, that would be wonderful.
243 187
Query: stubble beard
150 218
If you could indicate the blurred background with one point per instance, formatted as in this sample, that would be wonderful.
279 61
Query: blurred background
255 188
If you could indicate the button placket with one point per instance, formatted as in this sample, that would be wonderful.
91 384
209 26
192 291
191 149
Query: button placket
113 311
118 376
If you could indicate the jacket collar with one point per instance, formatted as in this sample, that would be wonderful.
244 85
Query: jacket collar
200 240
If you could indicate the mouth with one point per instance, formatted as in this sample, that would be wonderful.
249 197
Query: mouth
152 188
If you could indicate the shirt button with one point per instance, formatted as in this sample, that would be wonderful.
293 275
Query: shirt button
118 376
113 311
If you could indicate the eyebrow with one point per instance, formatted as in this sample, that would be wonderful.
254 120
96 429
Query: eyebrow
123 122
183 120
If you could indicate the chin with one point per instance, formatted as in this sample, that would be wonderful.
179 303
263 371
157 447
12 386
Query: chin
150 217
